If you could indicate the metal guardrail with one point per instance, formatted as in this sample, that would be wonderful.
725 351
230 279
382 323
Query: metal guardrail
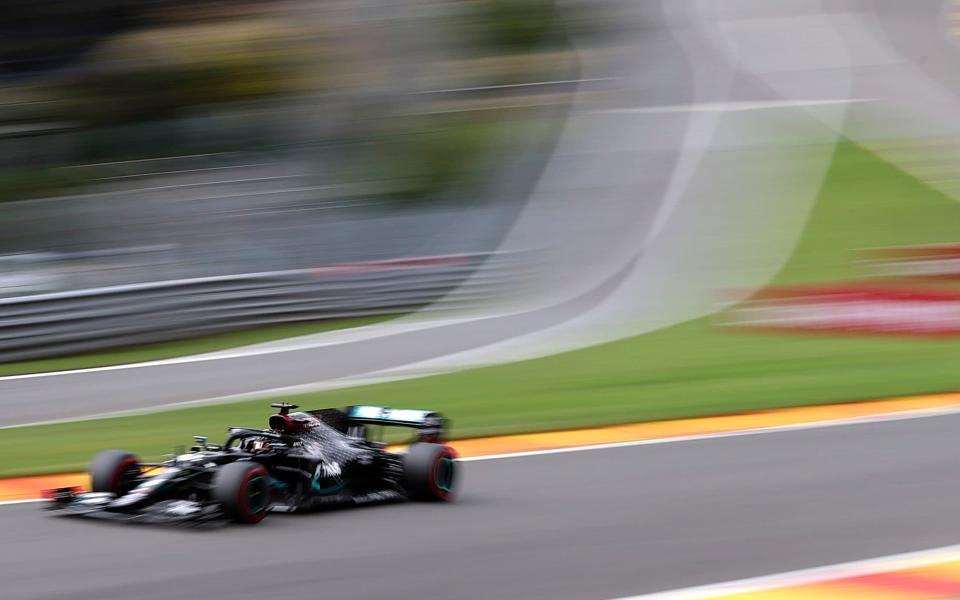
81 321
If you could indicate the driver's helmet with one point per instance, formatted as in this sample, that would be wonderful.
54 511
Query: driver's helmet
260 445
256 445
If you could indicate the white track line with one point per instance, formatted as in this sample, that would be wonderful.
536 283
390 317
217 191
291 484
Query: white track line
515 85
732 106
372 378
894 562
156 159
11 502
205 183
865 420
879 418
150 174
358 334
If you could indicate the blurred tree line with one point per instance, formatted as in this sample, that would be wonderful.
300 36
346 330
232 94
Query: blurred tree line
119 61
113 65
38 36
115 61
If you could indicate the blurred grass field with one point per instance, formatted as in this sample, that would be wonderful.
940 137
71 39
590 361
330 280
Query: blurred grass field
691 369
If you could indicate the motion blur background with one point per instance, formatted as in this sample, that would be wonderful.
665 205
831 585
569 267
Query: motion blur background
165 140
169 139
529 215
686 202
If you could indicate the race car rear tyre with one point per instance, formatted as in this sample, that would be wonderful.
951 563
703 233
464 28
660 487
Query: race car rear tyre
114 471
429 471
243 491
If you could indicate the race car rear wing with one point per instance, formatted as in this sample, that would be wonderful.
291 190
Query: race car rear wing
430 425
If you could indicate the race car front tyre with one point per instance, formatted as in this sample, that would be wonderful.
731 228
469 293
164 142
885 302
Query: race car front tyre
243 491
429 471
114 471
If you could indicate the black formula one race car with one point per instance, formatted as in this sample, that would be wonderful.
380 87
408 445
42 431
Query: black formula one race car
305 460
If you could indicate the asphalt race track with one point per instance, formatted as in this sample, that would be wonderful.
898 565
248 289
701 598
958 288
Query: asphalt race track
583 525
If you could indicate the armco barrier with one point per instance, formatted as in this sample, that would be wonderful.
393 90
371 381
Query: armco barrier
80 321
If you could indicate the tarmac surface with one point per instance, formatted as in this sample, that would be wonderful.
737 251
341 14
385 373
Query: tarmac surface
589 524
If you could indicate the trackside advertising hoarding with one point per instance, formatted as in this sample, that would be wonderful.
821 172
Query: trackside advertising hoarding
850 308
907 291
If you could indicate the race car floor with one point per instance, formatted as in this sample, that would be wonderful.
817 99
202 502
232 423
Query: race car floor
21 489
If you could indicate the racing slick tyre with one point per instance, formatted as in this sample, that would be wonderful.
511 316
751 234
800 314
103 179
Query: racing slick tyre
243 491
114 471
429 471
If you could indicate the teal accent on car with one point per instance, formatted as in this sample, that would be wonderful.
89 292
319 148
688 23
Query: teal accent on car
328 490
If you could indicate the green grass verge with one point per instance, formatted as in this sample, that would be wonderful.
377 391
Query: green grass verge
688 370
199 345
27 183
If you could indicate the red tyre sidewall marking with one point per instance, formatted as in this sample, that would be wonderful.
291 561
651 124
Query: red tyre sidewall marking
243 500
450 453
